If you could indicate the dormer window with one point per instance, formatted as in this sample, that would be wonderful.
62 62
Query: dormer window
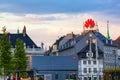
65 45
55 47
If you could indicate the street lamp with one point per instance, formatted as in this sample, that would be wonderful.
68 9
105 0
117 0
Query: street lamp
115 64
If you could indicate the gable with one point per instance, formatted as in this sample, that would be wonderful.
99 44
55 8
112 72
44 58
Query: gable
26 39
82 53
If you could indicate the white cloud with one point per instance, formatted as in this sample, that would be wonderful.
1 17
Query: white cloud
46 28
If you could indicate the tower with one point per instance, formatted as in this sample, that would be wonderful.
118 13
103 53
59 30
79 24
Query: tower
108 34
18 31
24 31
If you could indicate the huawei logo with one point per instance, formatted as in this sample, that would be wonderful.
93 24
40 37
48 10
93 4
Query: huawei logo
89 23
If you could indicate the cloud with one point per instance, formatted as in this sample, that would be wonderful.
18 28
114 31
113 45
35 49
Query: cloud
47 19
47 27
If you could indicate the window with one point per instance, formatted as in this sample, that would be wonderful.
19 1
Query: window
56 76
67 76
89 70
95 78
89 62
84 62
94 62
85 78
100 69
85 70
101 62
95 70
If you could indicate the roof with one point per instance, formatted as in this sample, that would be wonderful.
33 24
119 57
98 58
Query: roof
83 52
79 41
117 41
99 36
78 38
55 62
104 39
25 38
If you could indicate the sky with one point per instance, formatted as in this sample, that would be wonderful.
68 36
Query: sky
47 20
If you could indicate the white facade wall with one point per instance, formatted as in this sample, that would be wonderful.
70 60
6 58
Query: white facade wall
98 66
32 51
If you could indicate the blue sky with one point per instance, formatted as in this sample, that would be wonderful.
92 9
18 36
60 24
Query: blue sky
59 6
47 19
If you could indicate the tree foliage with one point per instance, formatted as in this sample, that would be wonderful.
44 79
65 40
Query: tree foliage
5 51
20 59
8 60
112 73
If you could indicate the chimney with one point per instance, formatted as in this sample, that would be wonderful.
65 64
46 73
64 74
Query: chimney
24 31
70 35
18 31
42 45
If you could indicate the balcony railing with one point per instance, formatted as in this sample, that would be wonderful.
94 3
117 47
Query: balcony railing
32 50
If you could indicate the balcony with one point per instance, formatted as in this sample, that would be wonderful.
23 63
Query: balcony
33 51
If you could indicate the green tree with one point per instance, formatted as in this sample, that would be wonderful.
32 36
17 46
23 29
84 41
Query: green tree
20 59
5 51
112 73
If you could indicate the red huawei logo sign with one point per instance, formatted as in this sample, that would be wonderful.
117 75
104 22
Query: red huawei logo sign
89 23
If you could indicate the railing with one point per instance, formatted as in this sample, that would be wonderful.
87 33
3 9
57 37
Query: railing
32 50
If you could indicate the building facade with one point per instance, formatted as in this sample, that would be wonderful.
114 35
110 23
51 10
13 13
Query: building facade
118 57
95 51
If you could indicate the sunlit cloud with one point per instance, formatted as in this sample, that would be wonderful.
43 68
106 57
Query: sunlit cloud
48 27
46 20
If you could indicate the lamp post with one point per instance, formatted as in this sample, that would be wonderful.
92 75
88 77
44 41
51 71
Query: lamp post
115 65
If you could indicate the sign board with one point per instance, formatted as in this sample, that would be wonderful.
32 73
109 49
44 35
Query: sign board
47 76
